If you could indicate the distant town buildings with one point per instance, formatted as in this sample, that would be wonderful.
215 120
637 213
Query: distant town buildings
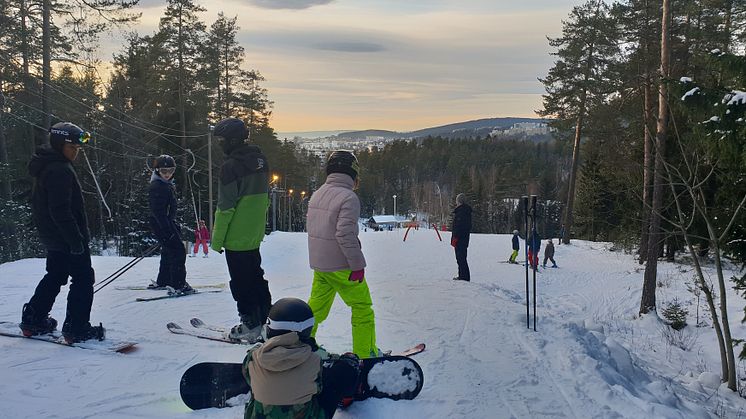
522 128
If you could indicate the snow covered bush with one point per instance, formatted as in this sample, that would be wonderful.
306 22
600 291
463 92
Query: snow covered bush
675 314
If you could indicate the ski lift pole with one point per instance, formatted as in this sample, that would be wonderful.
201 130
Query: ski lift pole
95 180
119 272
525 251
536 256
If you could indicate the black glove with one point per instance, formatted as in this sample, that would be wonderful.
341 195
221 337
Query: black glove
77 249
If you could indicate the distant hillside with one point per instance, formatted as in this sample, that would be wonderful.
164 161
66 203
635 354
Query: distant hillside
469 128
369 133
478 127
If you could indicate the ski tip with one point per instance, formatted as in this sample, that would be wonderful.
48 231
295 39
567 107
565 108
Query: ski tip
172 325
196 322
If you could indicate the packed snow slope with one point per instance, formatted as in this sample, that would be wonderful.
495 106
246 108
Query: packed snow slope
591 357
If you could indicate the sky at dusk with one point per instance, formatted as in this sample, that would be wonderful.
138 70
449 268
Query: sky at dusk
388 64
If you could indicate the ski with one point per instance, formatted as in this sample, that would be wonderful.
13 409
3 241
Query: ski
199 324
12 330
146 288
203 333
412 351
176 295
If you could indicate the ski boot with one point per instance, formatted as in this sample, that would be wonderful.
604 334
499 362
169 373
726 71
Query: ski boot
248 330
156 286
73 334
32 324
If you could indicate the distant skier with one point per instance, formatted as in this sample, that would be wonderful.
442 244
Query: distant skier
288 374
59 215
335 253
561 234
239 225
534 246
201 236
549 254
163 206
460 236
516 247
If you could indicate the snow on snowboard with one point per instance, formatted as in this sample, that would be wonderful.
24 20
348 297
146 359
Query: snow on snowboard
212 384
11 329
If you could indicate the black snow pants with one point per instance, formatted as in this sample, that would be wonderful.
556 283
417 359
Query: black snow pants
463 266
172 271
249 288
60 267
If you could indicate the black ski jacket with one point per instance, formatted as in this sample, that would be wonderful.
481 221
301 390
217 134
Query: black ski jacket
462 223
516 245
163 204
57 204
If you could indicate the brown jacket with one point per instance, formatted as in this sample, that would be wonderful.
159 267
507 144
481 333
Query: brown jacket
283 371
333 214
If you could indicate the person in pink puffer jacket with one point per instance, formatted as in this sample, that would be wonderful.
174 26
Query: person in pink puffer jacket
335 254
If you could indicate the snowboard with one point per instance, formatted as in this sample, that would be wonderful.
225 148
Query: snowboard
11 329
212 384
177 295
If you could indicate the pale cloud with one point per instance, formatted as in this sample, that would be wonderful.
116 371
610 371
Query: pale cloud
288 4
394 65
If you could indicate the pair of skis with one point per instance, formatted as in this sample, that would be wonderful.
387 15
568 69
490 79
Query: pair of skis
171 292
203 330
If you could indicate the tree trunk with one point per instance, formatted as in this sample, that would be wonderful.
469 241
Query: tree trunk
5 181
568 218
182 118
26 64
648 302
46 70
647 168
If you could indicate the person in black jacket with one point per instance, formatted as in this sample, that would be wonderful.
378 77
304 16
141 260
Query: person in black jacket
460 236
163 204
59 215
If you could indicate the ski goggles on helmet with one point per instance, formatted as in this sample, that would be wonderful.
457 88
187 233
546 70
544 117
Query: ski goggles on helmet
167 170
84 137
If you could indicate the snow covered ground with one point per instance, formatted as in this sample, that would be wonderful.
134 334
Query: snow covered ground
590 358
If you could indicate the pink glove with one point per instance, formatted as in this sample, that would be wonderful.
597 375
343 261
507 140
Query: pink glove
358 276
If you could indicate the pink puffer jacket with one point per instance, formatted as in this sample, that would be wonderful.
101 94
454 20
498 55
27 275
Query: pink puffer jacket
333 214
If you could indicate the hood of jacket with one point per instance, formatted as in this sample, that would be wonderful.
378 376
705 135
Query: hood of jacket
284 371
463 208
42 157
282 353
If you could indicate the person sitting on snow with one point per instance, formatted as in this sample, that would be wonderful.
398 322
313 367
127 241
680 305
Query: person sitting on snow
289 375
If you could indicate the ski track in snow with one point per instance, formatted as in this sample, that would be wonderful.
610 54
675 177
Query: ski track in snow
588 359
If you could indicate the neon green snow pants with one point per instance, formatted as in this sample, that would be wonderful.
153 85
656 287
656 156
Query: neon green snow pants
356 295
513 255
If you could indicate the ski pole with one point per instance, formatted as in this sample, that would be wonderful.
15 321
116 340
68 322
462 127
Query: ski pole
525 251
132 262
536 256
119 272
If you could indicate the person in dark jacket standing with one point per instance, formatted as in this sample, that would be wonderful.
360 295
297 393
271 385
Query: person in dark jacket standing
240 219
460 236
59 215
549 254
516 247
163 204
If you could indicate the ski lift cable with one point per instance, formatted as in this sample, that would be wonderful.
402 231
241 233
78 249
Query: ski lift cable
95 181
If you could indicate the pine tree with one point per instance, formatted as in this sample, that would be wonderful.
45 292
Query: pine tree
580 77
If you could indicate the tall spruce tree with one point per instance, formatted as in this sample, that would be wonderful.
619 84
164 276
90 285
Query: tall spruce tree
580 77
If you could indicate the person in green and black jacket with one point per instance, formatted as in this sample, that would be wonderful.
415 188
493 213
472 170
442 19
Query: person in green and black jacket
243 200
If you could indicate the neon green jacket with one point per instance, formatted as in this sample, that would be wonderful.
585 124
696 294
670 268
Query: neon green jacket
243 200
